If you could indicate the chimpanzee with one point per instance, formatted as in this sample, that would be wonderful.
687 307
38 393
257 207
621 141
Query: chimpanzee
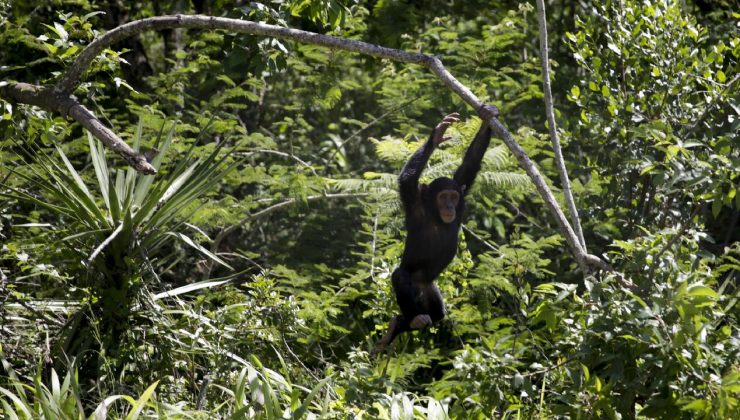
433 217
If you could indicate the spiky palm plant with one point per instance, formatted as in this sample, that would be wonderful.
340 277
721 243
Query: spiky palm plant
116 231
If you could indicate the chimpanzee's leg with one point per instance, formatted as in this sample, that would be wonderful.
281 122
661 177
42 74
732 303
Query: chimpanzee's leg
406 293
435 304
420 300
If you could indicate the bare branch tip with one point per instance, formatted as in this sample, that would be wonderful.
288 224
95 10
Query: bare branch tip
146 168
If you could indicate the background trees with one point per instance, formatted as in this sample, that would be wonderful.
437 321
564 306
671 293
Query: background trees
258 277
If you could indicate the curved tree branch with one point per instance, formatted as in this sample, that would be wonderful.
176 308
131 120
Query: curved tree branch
71 79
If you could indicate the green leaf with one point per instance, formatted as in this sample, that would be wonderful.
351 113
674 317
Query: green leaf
721 76
310 397
97 156
716 207
59 30
575 91
141 402
101 410
84 197
696 405
700 290
614 48
226 79
202 250
143 187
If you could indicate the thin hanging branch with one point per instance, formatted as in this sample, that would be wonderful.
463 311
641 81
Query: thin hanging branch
544 57
71 79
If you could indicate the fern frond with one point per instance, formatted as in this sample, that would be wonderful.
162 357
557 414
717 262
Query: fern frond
439 169
496 157
349 185
382 181
374 182
498 181
468 128
393 150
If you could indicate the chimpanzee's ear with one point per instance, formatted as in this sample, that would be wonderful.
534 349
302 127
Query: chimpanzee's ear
463 188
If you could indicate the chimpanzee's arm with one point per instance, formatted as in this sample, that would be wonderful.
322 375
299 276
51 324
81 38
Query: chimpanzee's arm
466 173
408 181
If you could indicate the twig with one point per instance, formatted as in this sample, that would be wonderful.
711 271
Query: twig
203 391
103 244
282 204
71 78
373 245
553 367
482 240
281 154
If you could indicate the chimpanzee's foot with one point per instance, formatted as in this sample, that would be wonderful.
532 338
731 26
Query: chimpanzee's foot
421 321
388 337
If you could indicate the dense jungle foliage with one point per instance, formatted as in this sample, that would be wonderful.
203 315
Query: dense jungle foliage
250 278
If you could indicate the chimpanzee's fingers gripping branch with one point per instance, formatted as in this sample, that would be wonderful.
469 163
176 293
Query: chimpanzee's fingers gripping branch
487 112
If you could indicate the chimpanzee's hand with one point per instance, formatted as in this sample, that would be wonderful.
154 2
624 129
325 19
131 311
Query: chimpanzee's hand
486 112
439 131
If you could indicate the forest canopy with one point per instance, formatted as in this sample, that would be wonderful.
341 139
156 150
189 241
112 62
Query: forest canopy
200 216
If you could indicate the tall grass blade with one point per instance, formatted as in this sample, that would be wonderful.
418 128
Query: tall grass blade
142 188
8 411
19 404
310 397
77 189
189 288
114 203
141 402
101 412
